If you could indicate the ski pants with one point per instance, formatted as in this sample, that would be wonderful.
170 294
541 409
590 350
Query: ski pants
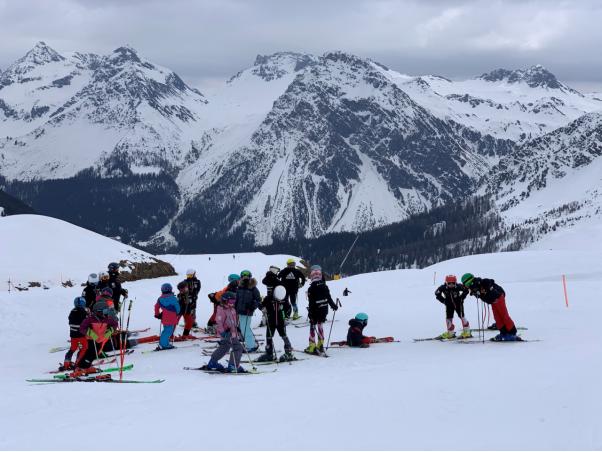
292 299
244 322
458 307
229 344
92 352
188 322
211 320
313 328
502 319
276 323
165 335
77 343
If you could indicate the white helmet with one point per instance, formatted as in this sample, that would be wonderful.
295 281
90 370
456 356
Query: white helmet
190 271
103 275
93 278
279 293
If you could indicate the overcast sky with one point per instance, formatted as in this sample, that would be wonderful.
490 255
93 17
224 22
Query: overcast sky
205 41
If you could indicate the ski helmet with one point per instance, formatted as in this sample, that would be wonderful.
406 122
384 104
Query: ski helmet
182 285
290 261
113 267
229 297
79 302
361 316
315 267
166 288
107 292
190 273
467 279
315 275
103 276
92 278
451 279
246 274
274 269
233 277
279 293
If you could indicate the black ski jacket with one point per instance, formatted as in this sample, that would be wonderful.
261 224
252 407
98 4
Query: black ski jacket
76 317
451 295
292 279
90 293
319 298
270 281
194 287
486 289
248 298
355 334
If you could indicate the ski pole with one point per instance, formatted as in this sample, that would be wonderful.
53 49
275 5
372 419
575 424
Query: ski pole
338 302
244 347
124 340
270 334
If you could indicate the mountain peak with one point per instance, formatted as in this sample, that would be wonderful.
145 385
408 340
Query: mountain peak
41 53
535 76
124 54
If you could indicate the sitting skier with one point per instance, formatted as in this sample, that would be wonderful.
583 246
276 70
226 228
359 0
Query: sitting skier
79 342
355 334
494 295
227 328
167 309
452 295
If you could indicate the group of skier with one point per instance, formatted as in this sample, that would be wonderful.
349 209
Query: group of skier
452 294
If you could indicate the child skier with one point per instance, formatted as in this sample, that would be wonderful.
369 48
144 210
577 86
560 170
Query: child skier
98 328
248 299
270 280
273 311
215 298
319 298
227 328
355 334
115 284
494 295
78 340
194 287
293 280
90 292
167 309
452 295
186 307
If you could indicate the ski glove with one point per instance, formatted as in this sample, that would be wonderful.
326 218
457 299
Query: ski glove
108 333
93 335
159 316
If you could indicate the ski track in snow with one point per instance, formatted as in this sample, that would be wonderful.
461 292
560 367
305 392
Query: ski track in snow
405 395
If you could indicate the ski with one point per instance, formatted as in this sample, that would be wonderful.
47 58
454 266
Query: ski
306 323
95 379
266 363
217 372
168 349
500 342
437 338
98 371
98 362
116 354
379 340
317 355
476 330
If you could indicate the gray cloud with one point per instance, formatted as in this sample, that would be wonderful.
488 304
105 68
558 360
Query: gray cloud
208 40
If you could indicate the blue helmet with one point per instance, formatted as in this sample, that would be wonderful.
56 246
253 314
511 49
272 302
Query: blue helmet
233 277
361 316
79 302
166 288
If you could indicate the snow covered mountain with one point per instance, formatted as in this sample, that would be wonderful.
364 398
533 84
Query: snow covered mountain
294 146
519 105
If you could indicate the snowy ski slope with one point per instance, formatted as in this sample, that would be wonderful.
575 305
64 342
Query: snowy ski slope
431 395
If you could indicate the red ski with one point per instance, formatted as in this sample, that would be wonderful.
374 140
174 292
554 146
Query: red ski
379 340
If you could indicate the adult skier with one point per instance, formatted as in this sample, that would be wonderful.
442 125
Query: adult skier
292 280
115 285
167 309
194 287
319 298
227 328
494 295
248 299
452 295
90 291
79 342
273 310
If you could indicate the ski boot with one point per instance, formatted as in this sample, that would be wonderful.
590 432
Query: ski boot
465 334
311 349
266 357
233 370
210 330
286 357
77 373
167 347
67 365
493 326
214 365
296 316
447 335
505 337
